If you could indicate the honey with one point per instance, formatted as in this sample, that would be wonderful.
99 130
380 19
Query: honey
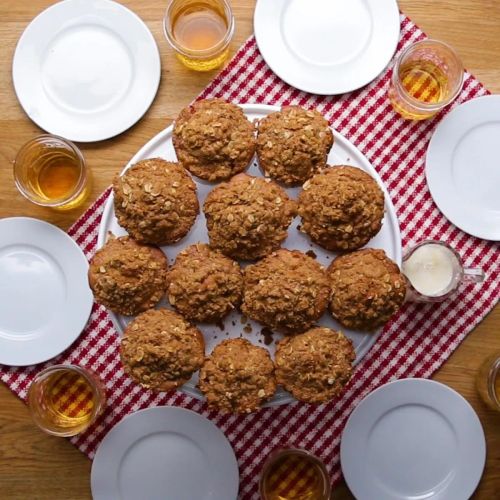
57 177
294 475
65 401
200 32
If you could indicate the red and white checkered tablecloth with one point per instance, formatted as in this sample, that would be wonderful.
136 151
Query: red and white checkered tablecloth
414 344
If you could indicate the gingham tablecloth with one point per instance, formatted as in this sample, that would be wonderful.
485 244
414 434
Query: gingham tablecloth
414 344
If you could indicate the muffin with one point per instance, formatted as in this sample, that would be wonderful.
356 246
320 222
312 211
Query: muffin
293 144
213 139
127 277
287 291
155 201
248 217
367 289
204 285
237 377
341 208
316 365
161 350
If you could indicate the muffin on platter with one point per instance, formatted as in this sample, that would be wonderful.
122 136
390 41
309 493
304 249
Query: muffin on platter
248 217
316 365
160 350
203 284
341 208
213 139
367 289
155 201
237 377
293 144
287 291
128 277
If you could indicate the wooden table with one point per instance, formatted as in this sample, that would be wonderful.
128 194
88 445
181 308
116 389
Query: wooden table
36 466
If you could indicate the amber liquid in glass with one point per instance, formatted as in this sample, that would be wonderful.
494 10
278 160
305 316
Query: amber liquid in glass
200 26
293 477
67 400
488 381
424 81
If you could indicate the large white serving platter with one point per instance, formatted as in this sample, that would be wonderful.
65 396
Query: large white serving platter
343 152
413 439
164 453
86 69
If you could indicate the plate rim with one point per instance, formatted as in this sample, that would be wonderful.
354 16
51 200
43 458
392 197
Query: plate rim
432 170
165 420
472 417
261 4
83 293
83 135
260 109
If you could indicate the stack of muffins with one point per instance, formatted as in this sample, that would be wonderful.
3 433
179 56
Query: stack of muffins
341 208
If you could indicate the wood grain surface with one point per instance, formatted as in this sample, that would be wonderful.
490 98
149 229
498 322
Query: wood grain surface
37 466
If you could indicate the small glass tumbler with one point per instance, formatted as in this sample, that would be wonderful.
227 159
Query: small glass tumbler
488 381
50 171
294 474
64 400
427 76
434 271
199 31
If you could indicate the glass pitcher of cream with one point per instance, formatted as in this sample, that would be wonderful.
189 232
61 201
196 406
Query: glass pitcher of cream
434 271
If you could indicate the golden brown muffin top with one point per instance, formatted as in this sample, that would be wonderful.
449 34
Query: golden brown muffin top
128 277
155 201
316 365
248 217
204 285
213 139
367 289
287 291
341 208
237 377
293 144
161 350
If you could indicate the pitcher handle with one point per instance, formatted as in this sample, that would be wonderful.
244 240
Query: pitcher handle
473 276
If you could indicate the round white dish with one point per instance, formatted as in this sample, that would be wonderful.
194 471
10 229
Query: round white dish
165 453
86 69
462 167
343 152
327 46
45 299
413 438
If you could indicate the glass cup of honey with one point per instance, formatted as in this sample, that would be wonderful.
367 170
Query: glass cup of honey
488 381
199 31
294 474
64 400
51 171
427 76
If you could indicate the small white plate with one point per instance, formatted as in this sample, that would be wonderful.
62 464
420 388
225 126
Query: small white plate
165 453
463 167
413 439
45 299
86 69
327 46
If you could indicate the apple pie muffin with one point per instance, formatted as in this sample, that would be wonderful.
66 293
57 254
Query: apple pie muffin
316 365
213 139
155 201
367 289
237 377
161 350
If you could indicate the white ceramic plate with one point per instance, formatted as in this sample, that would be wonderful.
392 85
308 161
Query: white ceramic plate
413 439
327 46
45 299
86 69
165 453
462 167
343 152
